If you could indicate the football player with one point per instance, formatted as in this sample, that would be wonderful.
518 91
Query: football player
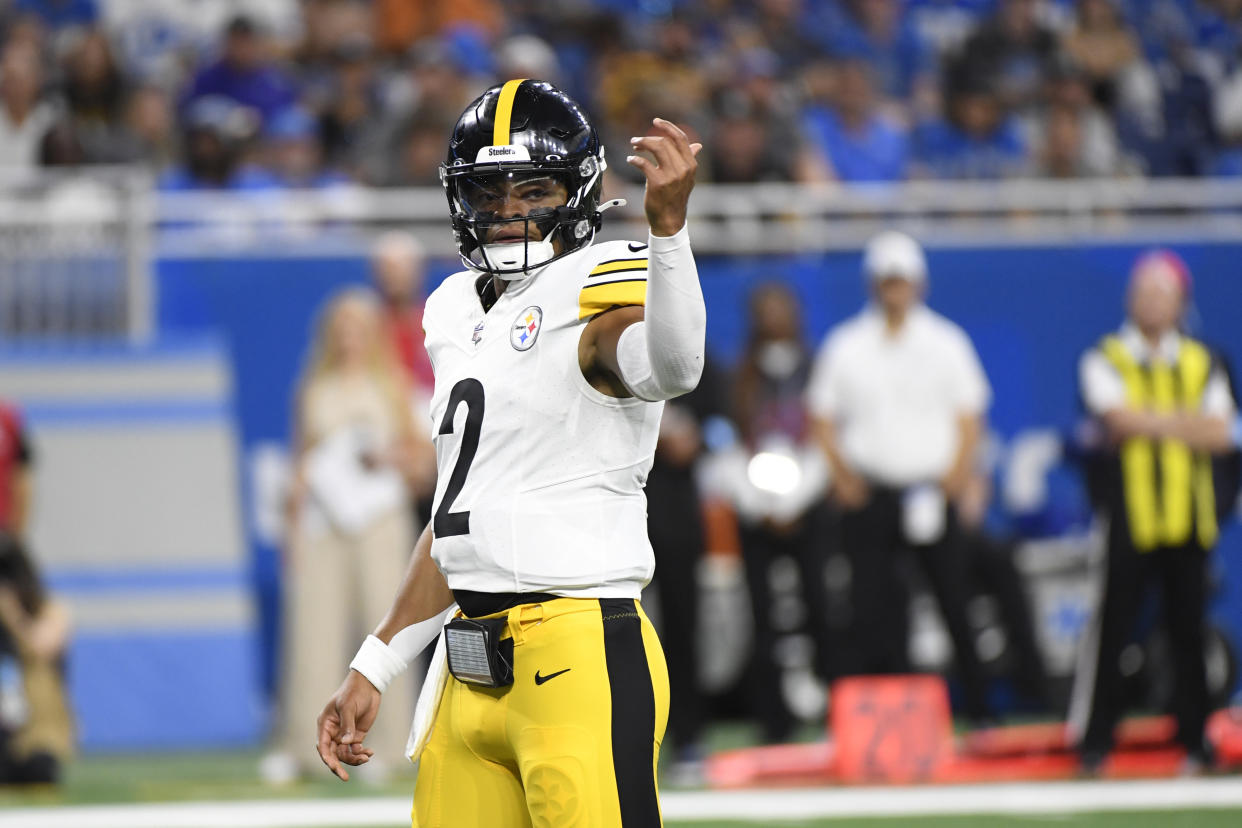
552 357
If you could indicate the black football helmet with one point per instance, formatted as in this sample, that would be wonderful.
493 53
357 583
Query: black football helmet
522 131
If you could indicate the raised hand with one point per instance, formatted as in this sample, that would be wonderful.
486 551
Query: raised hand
670 177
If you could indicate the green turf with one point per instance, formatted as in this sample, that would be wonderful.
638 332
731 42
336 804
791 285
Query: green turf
234 776
1147 819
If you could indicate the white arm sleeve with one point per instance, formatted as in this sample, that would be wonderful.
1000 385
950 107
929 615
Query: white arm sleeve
662 356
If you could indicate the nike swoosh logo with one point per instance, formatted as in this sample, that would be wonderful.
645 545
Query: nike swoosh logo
541 679
634 248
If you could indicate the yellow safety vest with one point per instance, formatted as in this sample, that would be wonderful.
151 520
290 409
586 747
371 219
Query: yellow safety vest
1165 502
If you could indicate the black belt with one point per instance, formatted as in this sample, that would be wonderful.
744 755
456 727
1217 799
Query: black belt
477 604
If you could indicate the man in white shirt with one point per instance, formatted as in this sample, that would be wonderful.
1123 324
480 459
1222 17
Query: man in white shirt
898 398
1163 406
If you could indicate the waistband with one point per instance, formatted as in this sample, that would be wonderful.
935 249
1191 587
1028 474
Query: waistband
528 614
478 604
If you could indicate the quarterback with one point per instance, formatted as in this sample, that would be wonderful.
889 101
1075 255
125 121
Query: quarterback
548 697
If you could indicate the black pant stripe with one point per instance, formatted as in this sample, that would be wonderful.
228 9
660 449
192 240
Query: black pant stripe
633 713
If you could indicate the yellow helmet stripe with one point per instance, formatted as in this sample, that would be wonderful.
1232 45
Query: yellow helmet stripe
504 111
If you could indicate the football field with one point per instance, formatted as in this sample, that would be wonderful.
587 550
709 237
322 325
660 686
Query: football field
223 791
1032 804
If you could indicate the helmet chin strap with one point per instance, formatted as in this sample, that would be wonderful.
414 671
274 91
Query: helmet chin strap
513 261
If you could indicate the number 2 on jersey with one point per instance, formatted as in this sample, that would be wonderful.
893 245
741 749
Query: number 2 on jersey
469 391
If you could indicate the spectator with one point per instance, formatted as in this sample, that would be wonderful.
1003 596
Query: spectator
856 141
1162 404
1188 141
349 533
34 632
34 628
977 140
216 133
95 94
434 83
151 126
1103 45
1095 147
876 32
770 410
755 130
349 106
400 24
1012 50
782 25
327 26
399 270
898 396
292 152
745 150
417 149
24 115
1061 152
245 72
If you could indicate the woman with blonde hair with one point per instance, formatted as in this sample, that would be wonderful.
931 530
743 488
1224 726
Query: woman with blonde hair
349 532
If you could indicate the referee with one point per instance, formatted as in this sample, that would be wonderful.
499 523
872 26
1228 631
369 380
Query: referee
898 397
1164 406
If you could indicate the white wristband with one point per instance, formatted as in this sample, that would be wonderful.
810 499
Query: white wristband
380 663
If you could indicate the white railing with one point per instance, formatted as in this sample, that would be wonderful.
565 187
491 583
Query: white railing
779 218
66 226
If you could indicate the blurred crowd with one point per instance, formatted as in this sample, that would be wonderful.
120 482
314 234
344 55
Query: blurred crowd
310 93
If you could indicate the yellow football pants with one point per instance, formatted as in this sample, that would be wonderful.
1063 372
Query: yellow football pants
573 741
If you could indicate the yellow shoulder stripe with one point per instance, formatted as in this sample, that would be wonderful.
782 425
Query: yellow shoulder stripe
618 265
598 298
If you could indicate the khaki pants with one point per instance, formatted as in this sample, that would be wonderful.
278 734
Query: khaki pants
337 588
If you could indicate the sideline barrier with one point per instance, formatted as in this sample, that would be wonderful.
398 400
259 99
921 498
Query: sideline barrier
896 730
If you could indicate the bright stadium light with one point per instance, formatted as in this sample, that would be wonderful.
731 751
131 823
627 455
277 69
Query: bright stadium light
769 471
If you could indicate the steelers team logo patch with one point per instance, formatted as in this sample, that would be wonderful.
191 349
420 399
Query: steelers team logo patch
525 328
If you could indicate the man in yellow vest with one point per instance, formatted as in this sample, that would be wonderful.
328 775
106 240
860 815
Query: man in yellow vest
1164 406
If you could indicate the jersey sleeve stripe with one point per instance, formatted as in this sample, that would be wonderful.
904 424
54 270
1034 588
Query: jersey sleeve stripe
619 264
617 278
598 298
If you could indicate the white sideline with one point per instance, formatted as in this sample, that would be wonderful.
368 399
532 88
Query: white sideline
391 812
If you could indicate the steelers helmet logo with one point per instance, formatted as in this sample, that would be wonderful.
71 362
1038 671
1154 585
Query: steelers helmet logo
525 328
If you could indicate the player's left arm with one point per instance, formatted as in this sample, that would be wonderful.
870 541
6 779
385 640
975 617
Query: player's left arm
656 352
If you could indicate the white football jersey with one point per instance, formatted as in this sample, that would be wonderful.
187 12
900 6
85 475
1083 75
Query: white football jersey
540 476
